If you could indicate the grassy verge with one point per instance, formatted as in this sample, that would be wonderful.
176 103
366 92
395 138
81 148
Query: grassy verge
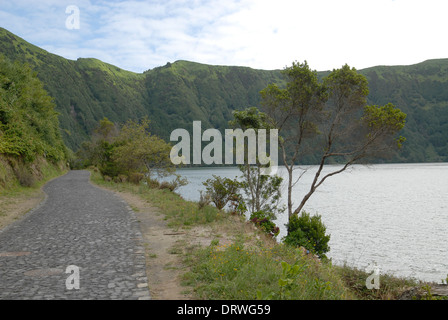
241 271
240 262
178 212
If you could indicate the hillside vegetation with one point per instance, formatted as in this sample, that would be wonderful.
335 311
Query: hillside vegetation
30 139
172 96
421 91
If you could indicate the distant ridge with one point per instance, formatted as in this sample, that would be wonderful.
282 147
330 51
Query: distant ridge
174 95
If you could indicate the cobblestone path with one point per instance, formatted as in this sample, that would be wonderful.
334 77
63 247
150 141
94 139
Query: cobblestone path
77 225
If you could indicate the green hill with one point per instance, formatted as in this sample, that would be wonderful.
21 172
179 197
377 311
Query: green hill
30 140
421 91
86 90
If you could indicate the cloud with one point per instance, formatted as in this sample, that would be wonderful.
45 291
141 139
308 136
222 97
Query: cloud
138 35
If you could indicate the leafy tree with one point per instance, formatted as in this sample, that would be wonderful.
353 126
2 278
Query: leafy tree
294 111
331 119
29 125
262 193
99 150
130 150
139 151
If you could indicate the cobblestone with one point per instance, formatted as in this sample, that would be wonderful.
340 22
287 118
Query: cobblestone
78 224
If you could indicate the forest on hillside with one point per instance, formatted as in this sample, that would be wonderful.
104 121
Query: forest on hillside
173 96
29 127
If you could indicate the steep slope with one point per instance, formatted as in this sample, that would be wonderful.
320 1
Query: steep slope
173 96
421 91
86 90
182 92
30 139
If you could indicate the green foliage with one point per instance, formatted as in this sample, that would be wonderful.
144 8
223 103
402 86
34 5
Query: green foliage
221 190
295 111
323 119
29 125
288 279
263 220
24 176
391 287
129 153
261 192
420 91
385 118
246 272
104 151
250 118
137 150
87 90
308 232
347 84
178 212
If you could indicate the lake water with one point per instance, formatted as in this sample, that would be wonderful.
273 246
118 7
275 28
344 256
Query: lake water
393 216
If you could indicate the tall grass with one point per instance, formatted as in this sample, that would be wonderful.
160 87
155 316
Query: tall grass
178 211
237 272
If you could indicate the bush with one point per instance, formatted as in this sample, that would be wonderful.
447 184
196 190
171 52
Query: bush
308 232
152 183
237 204
221 190
261 219
136 177
165 185
204 200
109 168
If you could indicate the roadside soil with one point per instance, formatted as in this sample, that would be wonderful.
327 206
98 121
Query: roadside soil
163 260
166 248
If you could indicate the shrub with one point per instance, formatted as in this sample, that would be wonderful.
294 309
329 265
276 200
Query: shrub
237 204
165 185
221 190
261 219
122 178
308 232
204 200
136 177
152 183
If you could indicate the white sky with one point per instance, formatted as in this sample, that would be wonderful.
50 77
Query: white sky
140 35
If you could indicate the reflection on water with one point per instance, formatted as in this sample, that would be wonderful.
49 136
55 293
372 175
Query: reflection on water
394 215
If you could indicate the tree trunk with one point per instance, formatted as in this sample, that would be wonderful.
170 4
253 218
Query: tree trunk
289 192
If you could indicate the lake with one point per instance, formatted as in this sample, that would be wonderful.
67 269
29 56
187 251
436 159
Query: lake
393 216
